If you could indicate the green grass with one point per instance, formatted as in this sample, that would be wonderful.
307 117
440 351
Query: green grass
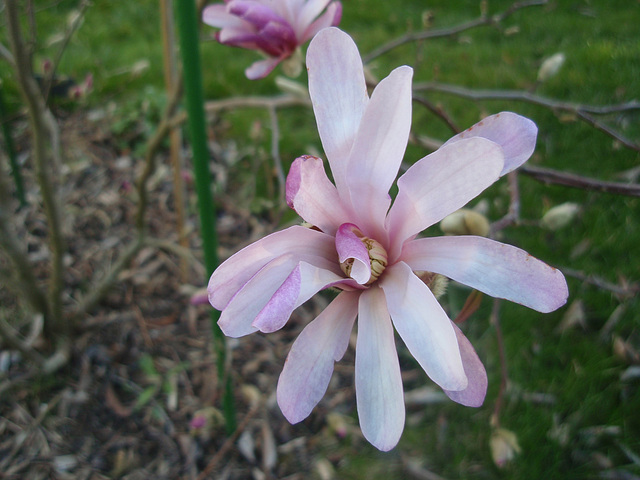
576 368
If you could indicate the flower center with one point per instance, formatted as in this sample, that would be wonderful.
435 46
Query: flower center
377 258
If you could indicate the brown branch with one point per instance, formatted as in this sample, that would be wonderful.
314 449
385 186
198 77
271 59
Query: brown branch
45 142
482 20
547 175
625 291
583 112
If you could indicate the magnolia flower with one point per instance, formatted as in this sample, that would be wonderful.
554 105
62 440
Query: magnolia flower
368 249
274 27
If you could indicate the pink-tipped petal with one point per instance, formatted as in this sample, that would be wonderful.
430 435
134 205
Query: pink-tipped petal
499 270
330 18
378 149
302 283
514 133
309 10
310 193
339 95
309 365
473 395
238 316
349 246
424 327
440 184
379 393
303 243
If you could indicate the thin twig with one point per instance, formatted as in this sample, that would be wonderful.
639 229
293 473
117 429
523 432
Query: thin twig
44 134
12 338
625 291
582 111
77 20
275 153
482 20
228 444
547 175
504 376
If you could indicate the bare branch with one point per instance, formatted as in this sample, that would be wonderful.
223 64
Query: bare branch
547 175
45 141
584 112
482 20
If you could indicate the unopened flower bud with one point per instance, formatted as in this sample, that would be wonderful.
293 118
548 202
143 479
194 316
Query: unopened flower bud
465 222
550 66
437 283
560 216
504 446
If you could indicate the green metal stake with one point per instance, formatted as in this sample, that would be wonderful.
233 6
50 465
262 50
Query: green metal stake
194 102
11 151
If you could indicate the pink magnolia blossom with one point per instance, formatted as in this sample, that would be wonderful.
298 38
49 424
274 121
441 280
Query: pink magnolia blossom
369 250
274 27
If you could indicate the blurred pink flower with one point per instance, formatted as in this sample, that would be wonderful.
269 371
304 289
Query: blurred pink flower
274 27
367 248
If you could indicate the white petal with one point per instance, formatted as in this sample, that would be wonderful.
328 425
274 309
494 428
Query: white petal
378 150
302 283
514 133
338 93
424 327
499 270
309 365
440 184
378 382
303 243
313 196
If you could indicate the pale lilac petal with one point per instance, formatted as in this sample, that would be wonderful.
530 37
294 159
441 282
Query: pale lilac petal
255 13
440 184
424 327
302 283
514 133
473 395
378 149
237 317
310 193
499 270
339 95
309 365
349 246
379 393
310 10
261 68
303 243
218 16
330 18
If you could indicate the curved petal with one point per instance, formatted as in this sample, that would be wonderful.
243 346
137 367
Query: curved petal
440 184
330 18
310 10
302 283
261 68
338 94
310 193
237 317
218 16
302 243
473 395
349 246
379 393
309 365
492 267
514 133
378 149
424 327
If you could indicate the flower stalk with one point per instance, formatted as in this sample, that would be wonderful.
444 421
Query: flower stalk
190 51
